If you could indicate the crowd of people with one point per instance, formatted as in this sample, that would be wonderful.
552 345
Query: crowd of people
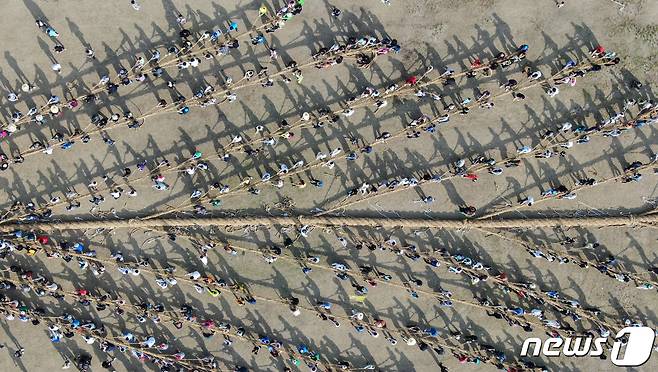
553 144
66 326
202 199
533 307
182 54
425 338
363 49
473 270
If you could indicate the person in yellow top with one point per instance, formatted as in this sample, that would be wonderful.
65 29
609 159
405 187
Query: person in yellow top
262 10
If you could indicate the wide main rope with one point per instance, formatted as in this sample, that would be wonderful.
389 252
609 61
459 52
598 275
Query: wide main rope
321 221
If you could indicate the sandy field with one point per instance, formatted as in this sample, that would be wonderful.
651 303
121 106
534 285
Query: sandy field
440 33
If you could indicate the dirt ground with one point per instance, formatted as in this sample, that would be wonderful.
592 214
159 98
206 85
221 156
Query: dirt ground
431 32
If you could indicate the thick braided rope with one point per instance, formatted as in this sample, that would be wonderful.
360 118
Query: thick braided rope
594 221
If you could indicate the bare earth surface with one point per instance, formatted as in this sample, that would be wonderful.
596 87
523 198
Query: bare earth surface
431 32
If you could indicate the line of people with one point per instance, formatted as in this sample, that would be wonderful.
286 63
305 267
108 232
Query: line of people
582 258
631 173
